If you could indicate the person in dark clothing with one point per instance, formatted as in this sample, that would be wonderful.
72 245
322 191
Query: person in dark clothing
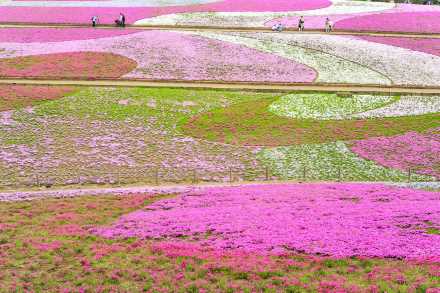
301 24
121 20
94 21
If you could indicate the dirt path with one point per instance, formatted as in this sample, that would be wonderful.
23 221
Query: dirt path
226 29
288 87
35 194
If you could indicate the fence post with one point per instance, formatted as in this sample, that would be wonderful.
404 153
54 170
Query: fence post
156 176
339 173
38 179
231 178
304 173
194 176
267 173
409 174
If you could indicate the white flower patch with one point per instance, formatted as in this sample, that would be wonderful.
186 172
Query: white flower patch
328 161
256 19
417 185
325 106
402 66
330 68
405 106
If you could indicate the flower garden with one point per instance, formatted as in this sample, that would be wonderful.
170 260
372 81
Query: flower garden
172 189
347 15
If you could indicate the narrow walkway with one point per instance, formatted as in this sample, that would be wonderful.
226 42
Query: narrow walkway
226 29
262 86
74 191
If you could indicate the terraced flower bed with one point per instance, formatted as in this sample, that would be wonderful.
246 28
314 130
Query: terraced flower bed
240 56
19 96
48 246
114 135
67 65
159 55
43 35
261 127
82 11
344 59
417 151
347 15
358 220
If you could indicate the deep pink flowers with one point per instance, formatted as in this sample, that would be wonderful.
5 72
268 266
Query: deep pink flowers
335 219
430 46
420 22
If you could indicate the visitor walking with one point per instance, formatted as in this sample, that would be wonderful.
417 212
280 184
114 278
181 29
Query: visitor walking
121 20
301 24
328 25
94 20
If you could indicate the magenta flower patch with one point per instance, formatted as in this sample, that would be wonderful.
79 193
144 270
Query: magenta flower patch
417 22
420 152
340 220
430 46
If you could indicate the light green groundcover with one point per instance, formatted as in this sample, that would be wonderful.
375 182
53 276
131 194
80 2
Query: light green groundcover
329 161
327 106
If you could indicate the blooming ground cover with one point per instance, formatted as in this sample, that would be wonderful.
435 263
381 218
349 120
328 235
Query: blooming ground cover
167 55
236 125
347 15
113 135
419 151
19 96
46 246
327 106
362 16
344 59
359 219
256 57
67 65
82 11
426 45
43 35
102 135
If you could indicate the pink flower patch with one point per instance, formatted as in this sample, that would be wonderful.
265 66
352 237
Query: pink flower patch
70 230
102 250
158 55
340 220
420 152
416 22
75 65
430 46
42 35
47 246
107 15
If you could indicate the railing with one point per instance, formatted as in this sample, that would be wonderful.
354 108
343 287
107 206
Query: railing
158 176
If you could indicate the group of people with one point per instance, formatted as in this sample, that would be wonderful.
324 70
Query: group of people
329 25
119 22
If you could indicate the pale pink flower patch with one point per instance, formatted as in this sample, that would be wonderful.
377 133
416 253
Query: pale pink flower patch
416 151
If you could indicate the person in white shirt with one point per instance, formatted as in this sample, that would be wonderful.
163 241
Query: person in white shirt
277 27
328 25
